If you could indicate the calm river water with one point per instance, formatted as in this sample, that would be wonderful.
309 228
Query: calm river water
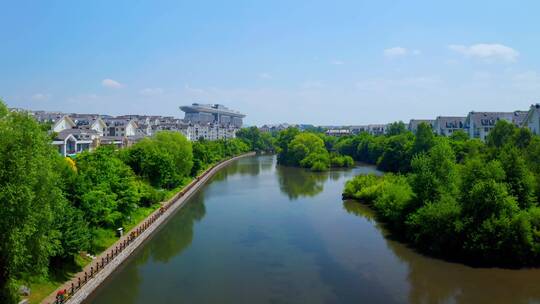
261 233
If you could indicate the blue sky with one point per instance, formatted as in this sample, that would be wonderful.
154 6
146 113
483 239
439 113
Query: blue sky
320 62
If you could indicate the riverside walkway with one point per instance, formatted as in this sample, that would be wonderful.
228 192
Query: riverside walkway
94 274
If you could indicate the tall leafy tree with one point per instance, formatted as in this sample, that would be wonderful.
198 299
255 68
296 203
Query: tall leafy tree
520 181
424 139
106 190
435 174
29 195
164 160
396 128
283 140
501 134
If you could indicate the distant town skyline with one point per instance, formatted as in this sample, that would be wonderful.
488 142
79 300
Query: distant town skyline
313 62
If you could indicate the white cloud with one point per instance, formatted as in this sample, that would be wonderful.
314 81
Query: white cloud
111 84
151 91
337 62
487 52
41 97
265 76
395 52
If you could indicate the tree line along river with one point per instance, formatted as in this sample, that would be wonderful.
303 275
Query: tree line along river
261 233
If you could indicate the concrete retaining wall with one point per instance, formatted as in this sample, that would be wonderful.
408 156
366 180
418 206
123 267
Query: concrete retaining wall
173 205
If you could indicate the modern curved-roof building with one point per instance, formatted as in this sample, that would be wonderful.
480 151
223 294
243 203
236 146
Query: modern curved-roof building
212 113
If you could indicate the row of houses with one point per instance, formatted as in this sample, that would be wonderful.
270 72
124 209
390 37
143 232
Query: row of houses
475 124
74 133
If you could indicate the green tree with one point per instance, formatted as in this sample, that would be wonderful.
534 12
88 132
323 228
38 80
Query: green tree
283 140
29 195
255 139
396 128
424 139
501 134
164 160
396 155
459 135
520 181
308 150
523 137
107 190
3 109
435 174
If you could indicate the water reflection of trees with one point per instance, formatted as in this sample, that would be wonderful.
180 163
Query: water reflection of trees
250 166
167 243
436 281
296 182
177 235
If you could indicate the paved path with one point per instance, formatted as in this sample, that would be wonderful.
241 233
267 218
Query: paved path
116 254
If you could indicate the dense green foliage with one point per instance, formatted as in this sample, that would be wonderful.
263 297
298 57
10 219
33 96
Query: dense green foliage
457 197
256 140
32 216
164 159
315 151
206 153
53 207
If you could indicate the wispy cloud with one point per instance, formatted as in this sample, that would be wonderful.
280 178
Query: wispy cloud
337 62
395 52
41 97
487 52
151 91
111 84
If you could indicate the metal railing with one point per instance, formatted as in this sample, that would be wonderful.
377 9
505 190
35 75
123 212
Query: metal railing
77 283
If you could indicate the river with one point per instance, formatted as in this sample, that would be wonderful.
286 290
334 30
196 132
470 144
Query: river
261 233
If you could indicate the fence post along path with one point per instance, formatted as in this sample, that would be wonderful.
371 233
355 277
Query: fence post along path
94 274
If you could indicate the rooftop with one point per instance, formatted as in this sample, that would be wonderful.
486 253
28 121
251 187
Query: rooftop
211 108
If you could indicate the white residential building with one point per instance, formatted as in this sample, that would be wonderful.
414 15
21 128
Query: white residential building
377 129
89 122
73 141
338 132
479 124
120 127
532 121
447 125
414 123
63 123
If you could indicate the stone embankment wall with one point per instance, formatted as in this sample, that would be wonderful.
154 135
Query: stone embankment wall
94 274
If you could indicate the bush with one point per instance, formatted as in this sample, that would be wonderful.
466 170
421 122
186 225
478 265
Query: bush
150 195
436 226
341 161
393 199
363 187
163 160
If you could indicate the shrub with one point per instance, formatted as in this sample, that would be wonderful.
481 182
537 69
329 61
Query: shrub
363 187
394 197
149 195
436 226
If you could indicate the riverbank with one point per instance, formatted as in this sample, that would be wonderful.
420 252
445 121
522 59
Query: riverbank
84 282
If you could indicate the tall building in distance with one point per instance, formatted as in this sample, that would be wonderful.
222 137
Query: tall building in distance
212 114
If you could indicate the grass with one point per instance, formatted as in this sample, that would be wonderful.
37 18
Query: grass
42 287
102 239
